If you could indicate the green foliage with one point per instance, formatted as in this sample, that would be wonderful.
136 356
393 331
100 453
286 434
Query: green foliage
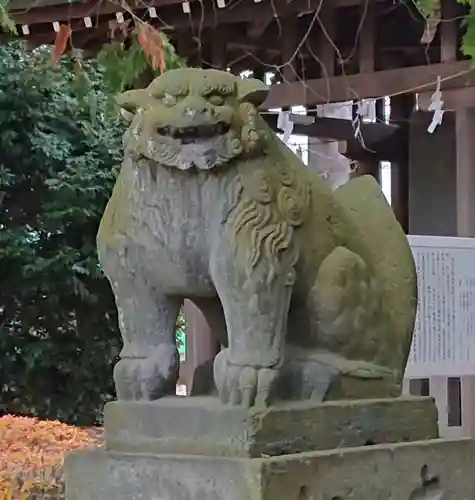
123 63
6 23
427 9
468 40
180 333
59 151
58 325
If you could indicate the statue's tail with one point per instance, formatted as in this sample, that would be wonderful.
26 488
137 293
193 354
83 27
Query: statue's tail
373 233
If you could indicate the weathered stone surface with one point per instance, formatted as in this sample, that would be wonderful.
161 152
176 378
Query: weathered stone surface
429 470
203 426
211 205
377 472
316 375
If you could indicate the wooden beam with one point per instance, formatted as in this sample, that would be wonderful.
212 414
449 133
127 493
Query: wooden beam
257 27
378 84
338 129
381 141
386 150
203 12
454 99
78 10
251 47
80 36
76 25
27 4
245 62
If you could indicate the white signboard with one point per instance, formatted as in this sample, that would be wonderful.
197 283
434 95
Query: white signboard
444 336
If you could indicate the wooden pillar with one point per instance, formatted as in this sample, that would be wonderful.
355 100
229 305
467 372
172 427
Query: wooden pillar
313 144
448 31
259 72
256 34
402 107
433 182
219 48
185 47
326 39
372 166
366 38
366 53
289 44
465 171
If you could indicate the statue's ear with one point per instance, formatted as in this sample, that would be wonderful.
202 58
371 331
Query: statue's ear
252 90
131 100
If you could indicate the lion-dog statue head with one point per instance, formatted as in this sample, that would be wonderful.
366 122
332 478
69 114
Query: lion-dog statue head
194 118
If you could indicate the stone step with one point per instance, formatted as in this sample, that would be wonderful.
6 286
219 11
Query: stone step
202 426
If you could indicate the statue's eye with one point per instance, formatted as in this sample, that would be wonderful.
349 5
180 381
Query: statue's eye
169 100
216 100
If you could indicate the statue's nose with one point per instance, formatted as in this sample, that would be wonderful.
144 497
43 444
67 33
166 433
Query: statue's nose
196 107
189 112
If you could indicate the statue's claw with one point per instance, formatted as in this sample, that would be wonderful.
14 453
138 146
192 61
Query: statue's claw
243 385
148 378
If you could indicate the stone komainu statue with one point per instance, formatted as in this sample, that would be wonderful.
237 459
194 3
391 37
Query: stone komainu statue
311 291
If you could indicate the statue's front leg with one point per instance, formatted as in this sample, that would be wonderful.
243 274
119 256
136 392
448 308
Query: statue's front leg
149 364
256 311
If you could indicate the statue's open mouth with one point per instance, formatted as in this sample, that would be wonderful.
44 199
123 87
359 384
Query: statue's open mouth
189 135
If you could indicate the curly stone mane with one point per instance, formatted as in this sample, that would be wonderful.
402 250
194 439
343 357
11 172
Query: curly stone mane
270 200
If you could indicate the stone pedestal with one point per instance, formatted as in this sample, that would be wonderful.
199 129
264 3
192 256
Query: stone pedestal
196 449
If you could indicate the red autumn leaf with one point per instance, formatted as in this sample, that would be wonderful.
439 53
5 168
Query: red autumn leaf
143 39
151 42
61 42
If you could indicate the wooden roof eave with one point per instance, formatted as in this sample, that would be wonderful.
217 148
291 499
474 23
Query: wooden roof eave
64 11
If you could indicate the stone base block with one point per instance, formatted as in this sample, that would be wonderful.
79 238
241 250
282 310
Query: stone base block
202 426
428 470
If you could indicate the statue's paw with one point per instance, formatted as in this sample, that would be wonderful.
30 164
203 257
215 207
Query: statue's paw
243 385
148 378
